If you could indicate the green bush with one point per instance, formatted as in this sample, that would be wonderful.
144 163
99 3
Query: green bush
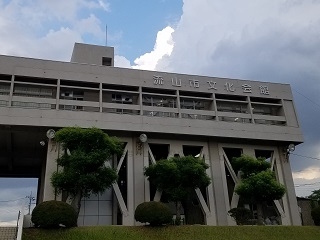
53 214
241 215
154 213
315 213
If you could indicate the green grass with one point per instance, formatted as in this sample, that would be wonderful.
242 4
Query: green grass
195 232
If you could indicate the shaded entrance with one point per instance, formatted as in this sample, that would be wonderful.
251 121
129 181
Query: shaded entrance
23 152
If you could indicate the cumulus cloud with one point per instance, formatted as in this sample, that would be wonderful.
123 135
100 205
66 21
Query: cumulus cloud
163 47
121 61
90 25
48 29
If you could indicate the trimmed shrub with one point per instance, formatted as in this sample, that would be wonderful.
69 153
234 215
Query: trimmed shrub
53 214
315 214
241 215
154 213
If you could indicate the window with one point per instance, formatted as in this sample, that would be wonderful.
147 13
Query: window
121 98
4 89
72 95
266 110
232 107
159 101
30 91
194 104
106 61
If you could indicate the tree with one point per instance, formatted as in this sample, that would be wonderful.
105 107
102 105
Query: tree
83 169
178 177
240 214
315 195
154 213
258 184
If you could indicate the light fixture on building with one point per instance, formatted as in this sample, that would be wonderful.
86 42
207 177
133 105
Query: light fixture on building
51 133
143 138
291 148
236 119
42 143
139 144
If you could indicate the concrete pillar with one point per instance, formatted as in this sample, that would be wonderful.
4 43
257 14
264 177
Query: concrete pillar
219 184
51 167
138 178
146 164
175 148
285 218
210 214
291 199
128 219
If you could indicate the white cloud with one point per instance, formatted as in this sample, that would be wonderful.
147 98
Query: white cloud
47 29
163 47
307 180
104 5
12 200
120 61
90 25
226 38
148 61
310 173
8 223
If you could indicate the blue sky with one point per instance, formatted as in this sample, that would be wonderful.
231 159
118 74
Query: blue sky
274 41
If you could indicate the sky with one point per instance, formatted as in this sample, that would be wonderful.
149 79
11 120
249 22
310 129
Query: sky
273 41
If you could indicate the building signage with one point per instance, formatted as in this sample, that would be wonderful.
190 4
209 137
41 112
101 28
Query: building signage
211 85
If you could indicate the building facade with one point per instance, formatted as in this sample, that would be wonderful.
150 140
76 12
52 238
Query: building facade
215 118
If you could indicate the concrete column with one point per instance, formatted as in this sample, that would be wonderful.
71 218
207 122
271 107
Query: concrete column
58 95
138 178
279 171
100 97
175 148
211 218
291 198
146 164
128 219
248 150
140 101
51 166
219 184
215 108
178 103
11 91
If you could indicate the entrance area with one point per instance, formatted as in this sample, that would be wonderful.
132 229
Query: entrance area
23 153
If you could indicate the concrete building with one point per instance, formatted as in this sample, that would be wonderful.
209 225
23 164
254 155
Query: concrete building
305 207
218 118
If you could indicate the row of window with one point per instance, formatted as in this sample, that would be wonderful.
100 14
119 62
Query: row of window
222 103
155 101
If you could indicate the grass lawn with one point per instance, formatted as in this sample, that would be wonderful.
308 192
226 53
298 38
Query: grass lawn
195 232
